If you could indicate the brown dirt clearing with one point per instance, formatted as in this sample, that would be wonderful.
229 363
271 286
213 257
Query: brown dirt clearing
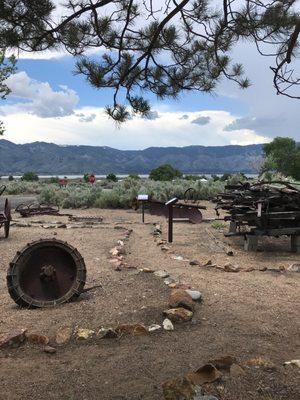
244 314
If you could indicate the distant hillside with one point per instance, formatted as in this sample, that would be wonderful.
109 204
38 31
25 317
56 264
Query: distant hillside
49 158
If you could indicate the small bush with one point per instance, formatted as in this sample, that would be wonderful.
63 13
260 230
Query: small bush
30 177
112 177
53 179
134 176
165 173
10 178
218 225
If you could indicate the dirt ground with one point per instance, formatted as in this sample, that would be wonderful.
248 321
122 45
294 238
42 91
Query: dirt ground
245 314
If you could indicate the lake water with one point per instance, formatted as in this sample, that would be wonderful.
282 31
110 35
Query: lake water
119 176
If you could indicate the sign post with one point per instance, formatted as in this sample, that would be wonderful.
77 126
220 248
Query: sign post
143 198
170 204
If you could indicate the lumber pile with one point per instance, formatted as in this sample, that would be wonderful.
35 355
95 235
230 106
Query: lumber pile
261 208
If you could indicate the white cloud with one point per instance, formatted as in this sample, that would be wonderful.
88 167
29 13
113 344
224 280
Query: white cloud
138 133
39 98
269 114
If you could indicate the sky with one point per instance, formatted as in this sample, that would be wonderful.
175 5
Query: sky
49 103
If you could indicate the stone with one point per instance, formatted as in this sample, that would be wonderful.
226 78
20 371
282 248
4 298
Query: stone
178 389
63 335
179 314
261 362
194 262
107 333
236 371
180 298
224 362
114 251
63 226
195 294
206 374
178 258
167 325
165 248
294 267
49 349
158 228
231 268
169 280
207 263
121 250
120 243
84 334
13 339
154 327
147 270
229 253
173 285
263 269
293 362
161 274
132 329
37 338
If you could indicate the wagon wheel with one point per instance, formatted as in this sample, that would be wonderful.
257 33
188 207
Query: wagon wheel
46 273
189 194
7 212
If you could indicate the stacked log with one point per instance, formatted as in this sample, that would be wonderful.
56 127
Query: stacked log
262 208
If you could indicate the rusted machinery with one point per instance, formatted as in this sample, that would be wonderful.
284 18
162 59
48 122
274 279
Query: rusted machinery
46 273
185 209
5 215
262 208
32 209
181 211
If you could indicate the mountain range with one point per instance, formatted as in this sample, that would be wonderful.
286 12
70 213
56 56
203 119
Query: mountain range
51 159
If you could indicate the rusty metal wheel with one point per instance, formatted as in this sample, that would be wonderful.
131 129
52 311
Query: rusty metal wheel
7 212
46 273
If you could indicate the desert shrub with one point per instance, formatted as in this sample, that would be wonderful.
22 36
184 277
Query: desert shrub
30 176
53 179
20 187
165 173
73 196
191 177
236 178
111 177
218 225
225 177
134 176
51 194
122 193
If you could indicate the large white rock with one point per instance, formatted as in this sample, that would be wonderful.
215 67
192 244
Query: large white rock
167 324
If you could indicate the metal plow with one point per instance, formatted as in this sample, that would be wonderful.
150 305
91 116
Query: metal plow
46 273
5 215
30 210
181 211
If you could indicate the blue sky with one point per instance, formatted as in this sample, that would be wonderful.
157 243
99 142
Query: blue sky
60 72
49 103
